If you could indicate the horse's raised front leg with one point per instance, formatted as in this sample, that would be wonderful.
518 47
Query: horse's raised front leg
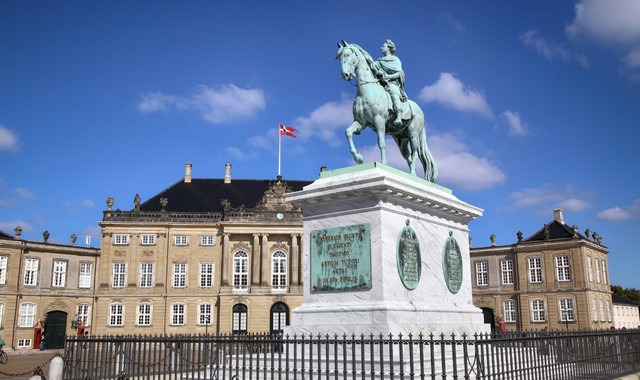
356 128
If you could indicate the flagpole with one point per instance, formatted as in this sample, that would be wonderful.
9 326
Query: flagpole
279 148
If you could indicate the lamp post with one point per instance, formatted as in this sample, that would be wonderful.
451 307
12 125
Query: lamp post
206 326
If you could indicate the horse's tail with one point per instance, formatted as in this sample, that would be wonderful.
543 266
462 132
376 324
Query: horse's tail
428 163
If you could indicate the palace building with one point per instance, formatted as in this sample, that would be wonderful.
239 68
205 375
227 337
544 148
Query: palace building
557 279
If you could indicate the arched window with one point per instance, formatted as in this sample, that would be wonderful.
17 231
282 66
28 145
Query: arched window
279 272
240 271
279 317
239 319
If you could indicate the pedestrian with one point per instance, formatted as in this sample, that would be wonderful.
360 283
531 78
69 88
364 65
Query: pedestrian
42 342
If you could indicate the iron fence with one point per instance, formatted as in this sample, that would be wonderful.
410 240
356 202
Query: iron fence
529 355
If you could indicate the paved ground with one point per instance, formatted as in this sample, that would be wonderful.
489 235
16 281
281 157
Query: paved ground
22 364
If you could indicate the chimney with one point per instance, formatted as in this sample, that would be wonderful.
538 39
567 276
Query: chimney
557 215
227 173
187 173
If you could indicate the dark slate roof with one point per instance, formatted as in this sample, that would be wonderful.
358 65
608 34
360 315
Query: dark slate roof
206 194
621 300
4 235
557 231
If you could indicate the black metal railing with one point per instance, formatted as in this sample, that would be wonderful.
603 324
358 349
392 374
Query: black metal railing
525 355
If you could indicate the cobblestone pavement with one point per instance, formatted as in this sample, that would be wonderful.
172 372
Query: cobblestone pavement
22 364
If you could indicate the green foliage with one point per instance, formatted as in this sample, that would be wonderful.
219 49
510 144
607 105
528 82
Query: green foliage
628 293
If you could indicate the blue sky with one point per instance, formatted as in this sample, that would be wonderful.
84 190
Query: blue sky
530 105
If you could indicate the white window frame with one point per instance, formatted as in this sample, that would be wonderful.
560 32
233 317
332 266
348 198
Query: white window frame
590 268
506 267
1 315
144 313
119 275
602 316
207 240
509 311
116 314
534 265
279 272
85 272
596 263
482 273
567 310
146 275
31 266
604 272
83 311
24 343
239 318
4 264
608 311
27 314
179 275
178 311
205 314
594 309
563 268
148 239
241 272
538 311
206 275
120 239
180 240
59 275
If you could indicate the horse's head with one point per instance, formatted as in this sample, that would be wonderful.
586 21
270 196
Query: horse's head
348 59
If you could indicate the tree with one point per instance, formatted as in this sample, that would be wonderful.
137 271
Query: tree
628 293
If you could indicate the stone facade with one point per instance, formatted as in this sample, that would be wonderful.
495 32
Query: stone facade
556 279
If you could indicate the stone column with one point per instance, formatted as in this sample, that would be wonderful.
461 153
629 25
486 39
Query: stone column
264 275
226 259
255 260
294 261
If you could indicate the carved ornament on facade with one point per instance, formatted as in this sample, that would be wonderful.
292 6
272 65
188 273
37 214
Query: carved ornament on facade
485 302
280 246
57 305
242 246
147 253
119 253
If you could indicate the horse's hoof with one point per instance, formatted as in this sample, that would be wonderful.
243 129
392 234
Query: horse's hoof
359 159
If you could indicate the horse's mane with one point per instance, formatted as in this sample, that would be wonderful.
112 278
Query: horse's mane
367 56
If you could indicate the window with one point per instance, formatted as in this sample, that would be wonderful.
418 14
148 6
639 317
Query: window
509 307
146 275
240 271
59 277
279 317
4 261
597 265
604 272
120 239
206 275
204 314
30 272
144 314
563 269
537 311
24 343
27 315
83 313
279 271
179 275
116 314
566 310
482 275
177 314
535 269
148 239
84 278
1 315
589 268
180 240
601 310
119 272
206 240
507 272
608 311
594 309
239 319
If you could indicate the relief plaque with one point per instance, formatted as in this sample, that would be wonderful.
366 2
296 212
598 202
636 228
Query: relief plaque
408 257
341 259
452 264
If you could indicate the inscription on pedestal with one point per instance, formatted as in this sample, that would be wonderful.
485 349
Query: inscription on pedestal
341 259
408 257
452 264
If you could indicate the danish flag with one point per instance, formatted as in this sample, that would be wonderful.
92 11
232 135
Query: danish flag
287 131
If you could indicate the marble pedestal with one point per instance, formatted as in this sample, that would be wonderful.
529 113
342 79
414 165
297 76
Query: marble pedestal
385 201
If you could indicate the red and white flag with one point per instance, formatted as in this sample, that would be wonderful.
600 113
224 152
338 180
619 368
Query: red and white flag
287 131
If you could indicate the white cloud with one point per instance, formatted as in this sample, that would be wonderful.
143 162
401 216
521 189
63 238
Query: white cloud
24 193
215 105
552 50
515 125
458 168
620 214
326 121
9 141
9 227
88 203
456 24
450 92
547 197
